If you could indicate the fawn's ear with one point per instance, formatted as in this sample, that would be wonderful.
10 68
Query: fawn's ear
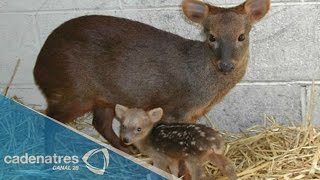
120 110
155 114
256 9
196 10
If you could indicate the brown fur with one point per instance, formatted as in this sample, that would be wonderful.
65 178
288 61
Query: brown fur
168 145
93 62
183 171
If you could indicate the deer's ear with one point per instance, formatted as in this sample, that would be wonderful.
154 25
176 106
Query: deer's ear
120 110
197 11
256 9
155 114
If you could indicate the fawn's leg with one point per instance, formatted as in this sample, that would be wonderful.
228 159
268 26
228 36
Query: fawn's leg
224 165
195 168
174 167
160 163
184 171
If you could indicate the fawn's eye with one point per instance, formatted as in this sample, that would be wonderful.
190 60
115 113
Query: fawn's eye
138 129
212 38
242 37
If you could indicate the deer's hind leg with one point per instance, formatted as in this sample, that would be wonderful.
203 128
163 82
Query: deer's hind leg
195 167
224 165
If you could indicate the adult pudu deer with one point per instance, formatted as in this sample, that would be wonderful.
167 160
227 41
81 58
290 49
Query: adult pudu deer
92 63
168 144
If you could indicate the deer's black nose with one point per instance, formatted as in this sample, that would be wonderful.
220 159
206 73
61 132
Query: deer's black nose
225 67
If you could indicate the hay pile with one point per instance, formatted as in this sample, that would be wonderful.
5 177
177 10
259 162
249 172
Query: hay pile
274 152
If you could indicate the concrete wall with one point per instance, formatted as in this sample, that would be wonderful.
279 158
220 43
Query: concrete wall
285 51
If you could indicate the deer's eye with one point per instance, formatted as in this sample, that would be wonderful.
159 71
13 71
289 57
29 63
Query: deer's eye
242 37
138 129
212 38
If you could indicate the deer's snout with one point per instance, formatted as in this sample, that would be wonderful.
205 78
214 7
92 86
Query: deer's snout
126 140
225 66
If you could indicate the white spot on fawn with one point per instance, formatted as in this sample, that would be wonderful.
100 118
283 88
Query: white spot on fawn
216 45
202 134
193 143
211 138
181 142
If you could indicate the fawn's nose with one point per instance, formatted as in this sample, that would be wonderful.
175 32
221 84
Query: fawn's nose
225 67
125 140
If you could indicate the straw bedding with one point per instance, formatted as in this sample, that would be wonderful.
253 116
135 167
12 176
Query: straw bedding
274 152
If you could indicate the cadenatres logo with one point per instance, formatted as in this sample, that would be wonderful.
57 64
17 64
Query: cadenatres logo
62 162
105 160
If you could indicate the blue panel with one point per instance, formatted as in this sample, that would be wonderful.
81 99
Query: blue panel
35 147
